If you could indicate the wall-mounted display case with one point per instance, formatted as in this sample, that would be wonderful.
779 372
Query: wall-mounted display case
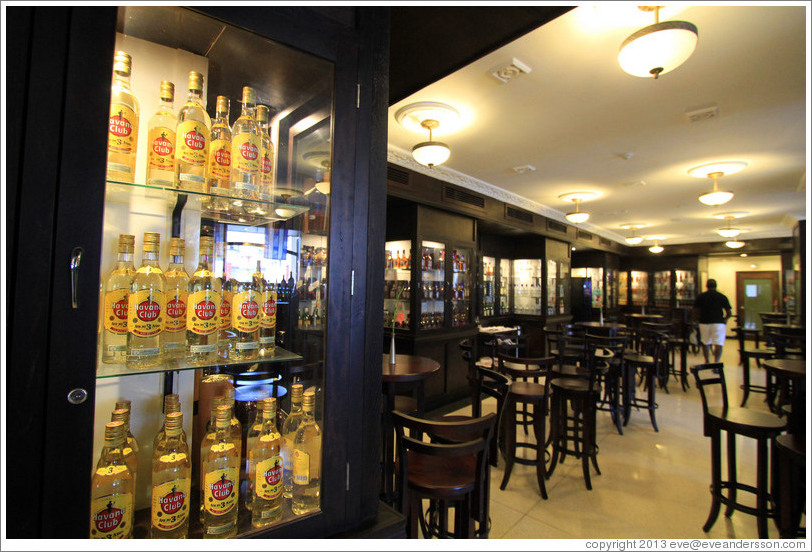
503 288
623 288
527 287
489 285
599 298
662 288
638 281
684 288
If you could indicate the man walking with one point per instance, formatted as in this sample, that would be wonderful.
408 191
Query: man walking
713 311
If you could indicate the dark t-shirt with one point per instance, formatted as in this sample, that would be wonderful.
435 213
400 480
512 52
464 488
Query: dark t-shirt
711 305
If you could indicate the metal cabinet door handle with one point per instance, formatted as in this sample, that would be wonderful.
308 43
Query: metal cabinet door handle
75 261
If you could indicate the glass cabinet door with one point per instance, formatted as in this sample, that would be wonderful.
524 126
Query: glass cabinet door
662 288
639 288
552 287
623 288
596 277
488 286
432 285
460 289
611 288
685 288
213 278
504 287
397 285
563 287
527 286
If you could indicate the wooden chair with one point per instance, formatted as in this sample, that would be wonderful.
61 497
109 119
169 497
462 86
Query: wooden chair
526 390
647 362
493 384
745 354
451 470
610 379
761 426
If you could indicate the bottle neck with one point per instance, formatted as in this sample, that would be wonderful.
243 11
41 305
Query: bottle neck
223 433
173 441
121 80
150 258
249 110
194 97
205 262
125 259
166 105
176 262
112 452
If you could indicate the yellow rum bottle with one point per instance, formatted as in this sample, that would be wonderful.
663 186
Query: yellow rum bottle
202 323
205 445
177 295
171 483
192 139
307 460
122 130
245 149
146 308
266 156
289 429
245 321
253 400
265 461
221 476
130 449
171 405
267 314
219 172
112 490
161 140
116 295
225 340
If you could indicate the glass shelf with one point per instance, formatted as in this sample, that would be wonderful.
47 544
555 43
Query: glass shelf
104 370
221 208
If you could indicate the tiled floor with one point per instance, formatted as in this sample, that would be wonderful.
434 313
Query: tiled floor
653 484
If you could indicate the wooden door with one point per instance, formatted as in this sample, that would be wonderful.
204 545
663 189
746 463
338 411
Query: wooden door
756 292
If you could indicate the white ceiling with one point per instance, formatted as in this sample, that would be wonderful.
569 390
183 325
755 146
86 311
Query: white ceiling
577 114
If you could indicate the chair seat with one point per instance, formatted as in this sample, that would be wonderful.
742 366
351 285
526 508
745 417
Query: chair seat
638 358
766 353
405 404
443 477
527 390
574 385
571 370
747 422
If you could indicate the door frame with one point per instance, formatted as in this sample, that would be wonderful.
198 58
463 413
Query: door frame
773 275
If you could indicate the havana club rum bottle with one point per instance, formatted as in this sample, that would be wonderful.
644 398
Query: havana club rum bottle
219 172
267 314
245 321
307 460
289 428
112 490
225 340
171 483
205 445
161 140
202 324
116 295
146 308
177 284
245 149
221 469
266 154
192 139
171 404
265 469
122 130
130 448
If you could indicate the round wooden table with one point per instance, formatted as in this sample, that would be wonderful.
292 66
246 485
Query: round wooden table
785 370
610 327
408 370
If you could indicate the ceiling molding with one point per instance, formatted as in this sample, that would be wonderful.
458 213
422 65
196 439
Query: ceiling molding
398 156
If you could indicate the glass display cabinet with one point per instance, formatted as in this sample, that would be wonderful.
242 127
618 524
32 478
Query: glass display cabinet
552 287
623 288
527 287
488 302
503 288
432 286
596 276
397 284
639 288
461 288
685 288
191 285
611 288
662 289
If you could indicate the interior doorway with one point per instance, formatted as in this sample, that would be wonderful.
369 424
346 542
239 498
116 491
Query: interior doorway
756 292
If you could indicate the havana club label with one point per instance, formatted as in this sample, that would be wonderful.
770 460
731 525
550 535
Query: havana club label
201 316
245 311
145 313
267 317
225 310
111 516
268 482
176 303
115 311
220 159
122 133
221 490
161 153
192 141
170 504
245 153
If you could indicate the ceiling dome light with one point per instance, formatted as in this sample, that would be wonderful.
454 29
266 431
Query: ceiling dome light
658 48
656 248
431 153
577 216
715 197
634 240
729 231
735 244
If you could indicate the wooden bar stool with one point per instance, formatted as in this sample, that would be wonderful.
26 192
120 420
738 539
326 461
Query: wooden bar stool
745 354
761 426
788 455
647 361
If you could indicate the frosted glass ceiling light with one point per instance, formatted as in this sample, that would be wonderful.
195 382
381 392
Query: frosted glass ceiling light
577 216
431 153
735 244
658 48
715 197
656 248
728 231
633 240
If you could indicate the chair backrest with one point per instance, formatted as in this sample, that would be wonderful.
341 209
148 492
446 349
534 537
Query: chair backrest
653 344
523 368
707 375
572 349
774 317
492 383
616 344
656 327
788 345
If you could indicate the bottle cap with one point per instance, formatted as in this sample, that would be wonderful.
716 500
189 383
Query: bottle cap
249 96
223 105
126 243
309 401
195 82
269 408
171 403
167 91
177 247
114 433
206 245
123 403
296 391
223 416
152 241
120 415
263 114
174 423
122 63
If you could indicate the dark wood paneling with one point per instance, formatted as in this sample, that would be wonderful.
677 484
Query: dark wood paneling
440 225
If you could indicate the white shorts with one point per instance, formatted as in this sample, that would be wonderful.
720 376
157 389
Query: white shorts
712 334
